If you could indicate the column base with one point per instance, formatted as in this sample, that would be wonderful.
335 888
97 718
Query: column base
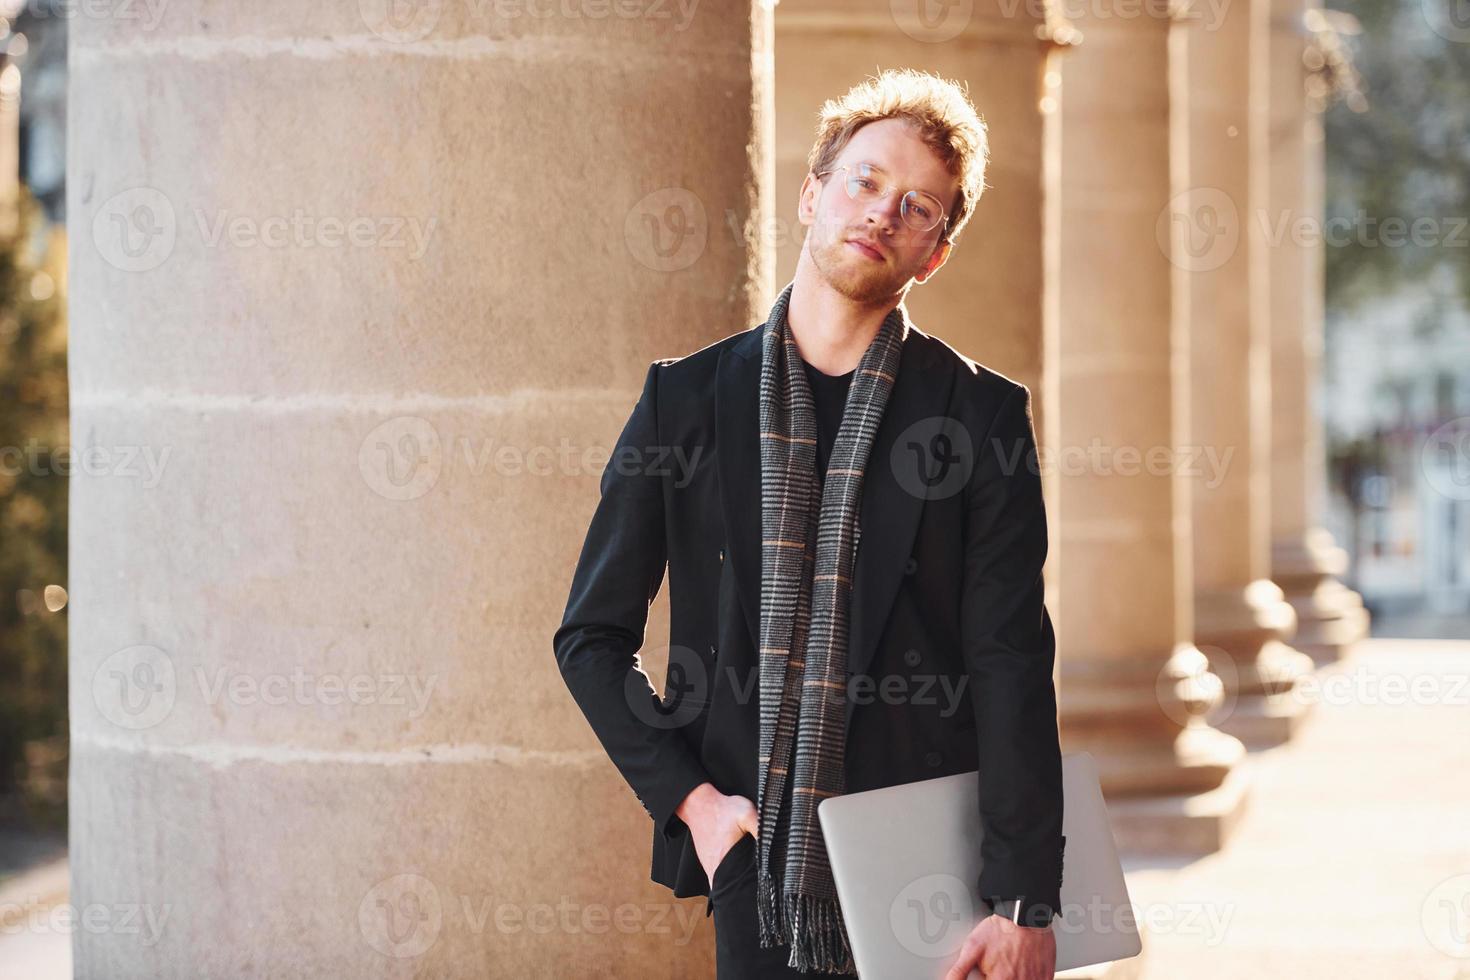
1330 616
1265 721
1185 826
1242 631
1143 719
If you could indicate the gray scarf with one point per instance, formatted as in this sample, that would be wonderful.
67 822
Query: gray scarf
809 537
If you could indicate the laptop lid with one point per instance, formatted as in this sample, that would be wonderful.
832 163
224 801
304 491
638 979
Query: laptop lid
906 860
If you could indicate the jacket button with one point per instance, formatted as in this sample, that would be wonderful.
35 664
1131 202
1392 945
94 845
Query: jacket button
722 554
911 566
911 657
933 759
711 649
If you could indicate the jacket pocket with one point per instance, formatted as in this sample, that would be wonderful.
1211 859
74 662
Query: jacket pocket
734 856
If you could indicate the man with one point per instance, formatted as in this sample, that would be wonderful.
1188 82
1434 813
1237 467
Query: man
851 516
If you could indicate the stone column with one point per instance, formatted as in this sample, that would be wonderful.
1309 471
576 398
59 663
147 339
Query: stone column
361 297
1305 559
1242 620
988 301
10 85
1134 688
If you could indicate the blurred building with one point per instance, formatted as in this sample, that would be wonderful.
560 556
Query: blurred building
1397 408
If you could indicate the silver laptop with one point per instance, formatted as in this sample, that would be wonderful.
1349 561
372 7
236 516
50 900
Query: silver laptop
906 860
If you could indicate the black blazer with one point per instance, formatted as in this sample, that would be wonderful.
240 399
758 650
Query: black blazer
950 644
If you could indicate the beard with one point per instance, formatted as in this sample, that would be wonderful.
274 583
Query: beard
860 279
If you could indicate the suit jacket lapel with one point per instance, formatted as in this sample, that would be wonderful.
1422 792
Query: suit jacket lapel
737 448
889 513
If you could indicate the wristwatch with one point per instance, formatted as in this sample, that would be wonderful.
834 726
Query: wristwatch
1037 916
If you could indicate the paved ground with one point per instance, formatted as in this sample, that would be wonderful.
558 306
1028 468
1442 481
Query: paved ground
1353 860
32 945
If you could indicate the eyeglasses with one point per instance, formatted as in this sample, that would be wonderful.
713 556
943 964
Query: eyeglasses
865 182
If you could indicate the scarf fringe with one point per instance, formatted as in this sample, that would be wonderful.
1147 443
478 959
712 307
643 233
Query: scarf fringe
821 937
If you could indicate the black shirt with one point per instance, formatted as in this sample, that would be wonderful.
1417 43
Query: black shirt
829 393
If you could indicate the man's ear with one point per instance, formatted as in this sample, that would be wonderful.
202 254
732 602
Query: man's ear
937 258
806 201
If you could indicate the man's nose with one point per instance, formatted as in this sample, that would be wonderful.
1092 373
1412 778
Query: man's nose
887 211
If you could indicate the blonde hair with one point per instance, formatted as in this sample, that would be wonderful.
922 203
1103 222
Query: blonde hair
937 107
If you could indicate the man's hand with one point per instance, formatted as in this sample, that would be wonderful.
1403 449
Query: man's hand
1002 950
717 822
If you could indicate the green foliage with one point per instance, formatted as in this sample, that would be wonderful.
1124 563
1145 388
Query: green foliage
33 541
1407 157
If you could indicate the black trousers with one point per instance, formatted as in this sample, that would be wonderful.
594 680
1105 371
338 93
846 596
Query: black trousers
738 951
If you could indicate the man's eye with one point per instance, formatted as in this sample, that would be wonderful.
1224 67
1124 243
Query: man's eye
921 211
865 182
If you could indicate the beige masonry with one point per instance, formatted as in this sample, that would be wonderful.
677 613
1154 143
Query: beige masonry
1305 559
1242 620
1134 688
317 726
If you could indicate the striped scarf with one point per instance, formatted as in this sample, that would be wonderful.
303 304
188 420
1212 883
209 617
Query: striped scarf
809 533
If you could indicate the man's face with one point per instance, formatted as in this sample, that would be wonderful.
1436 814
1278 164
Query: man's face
891 252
